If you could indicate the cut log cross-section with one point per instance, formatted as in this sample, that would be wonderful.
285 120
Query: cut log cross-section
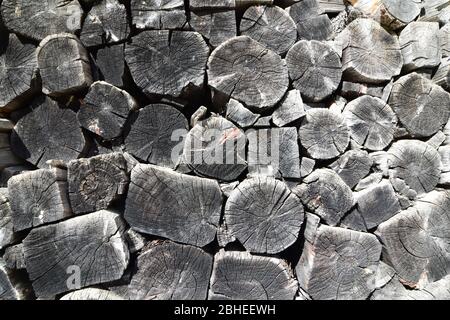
88 248
264 215
217 27
158 14
352 166
167 63
242 276
96 182
245 70
179 207
48 132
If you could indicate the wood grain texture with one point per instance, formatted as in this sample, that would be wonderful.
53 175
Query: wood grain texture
158 14
291 109
216 27
111 64
92 294
7 235
353 166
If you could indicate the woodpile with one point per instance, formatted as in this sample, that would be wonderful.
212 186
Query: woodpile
224 149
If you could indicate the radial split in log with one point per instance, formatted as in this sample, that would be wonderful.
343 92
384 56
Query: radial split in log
157 14
245 70
421 106
167 62
337 264
171 271
264 215
96 182
105 23
155 135
111 62
63 64
271 26
416 241
216 148
370 53
371 121
36 19
17 74
217 27
242 276
79 252
48 132
40 197
105 110
352 166
324 134
315 69
416 163
7 235
326 194
179 207
91 294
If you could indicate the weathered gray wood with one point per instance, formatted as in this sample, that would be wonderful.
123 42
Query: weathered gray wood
7 288
90 246
420 46
355 90
7 235
17 75
331 6
436 11
14 258
442 75
216 148
291 108
444 152
377 204
171 271
270 26
48 132
315 69
105 23
370 53
421 106
153 135
36 19
242 276
217 27
111 62
352 166
95 183
11 171
444 40
105 110
417 163
157 14
263 122
200 114
325 194
247 71
198 5
135 241
312 24
272 151
92 294
164 203
306 166
167 63
40 197
337 264
371 121
240 115
416 241
64 65
324 134
264 215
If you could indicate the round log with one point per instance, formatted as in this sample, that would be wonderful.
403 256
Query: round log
324 134
48 132
155 133
92 294
167 63
315 69
105 110
264 215
242 276
91 248
37 19
171 271
353 166
94 183
371 121
326 194
370 53
216 148
105 23
421 106
7 235
63 64
179 207
270 26
416 163
17 74
247 71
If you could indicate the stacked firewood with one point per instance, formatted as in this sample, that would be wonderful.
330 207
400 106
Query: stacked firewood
225 149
